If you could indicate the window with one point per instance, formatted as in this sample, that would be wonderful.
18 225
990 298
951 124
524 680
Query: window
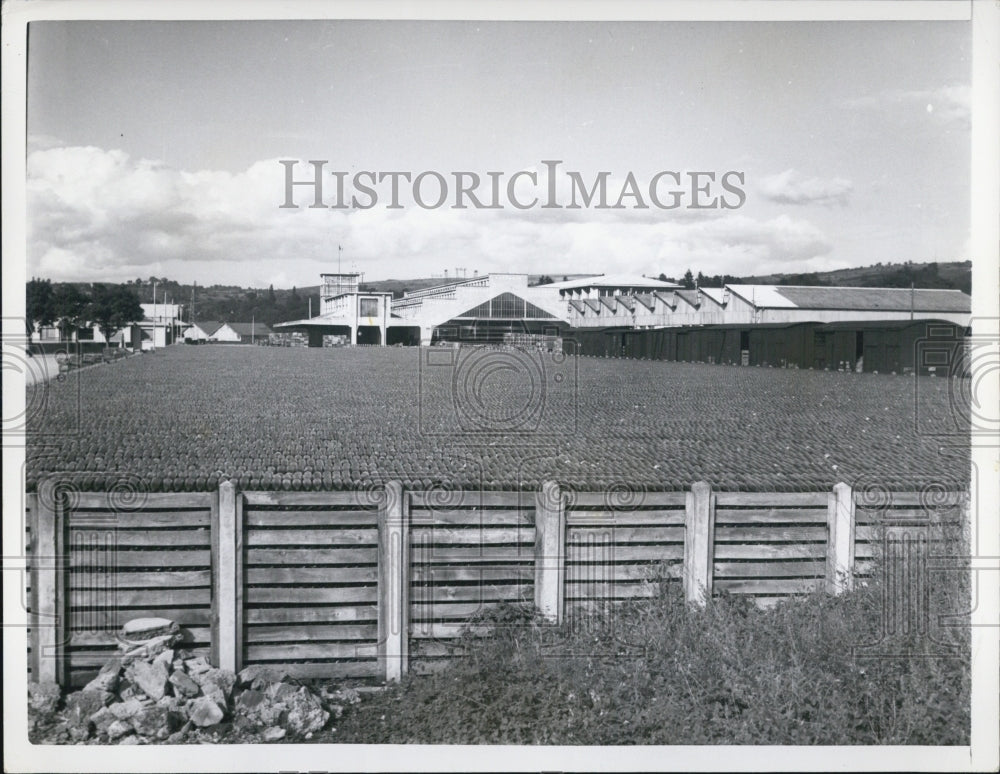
368 307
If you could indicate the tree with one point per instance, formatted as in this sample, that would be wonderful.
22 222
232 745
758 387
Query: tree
39 307
688 280
69 306
112 308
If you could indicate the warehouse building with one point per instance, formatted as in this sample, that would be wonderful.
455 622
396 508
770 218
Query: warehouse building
873 346
484 309
760 304
836 328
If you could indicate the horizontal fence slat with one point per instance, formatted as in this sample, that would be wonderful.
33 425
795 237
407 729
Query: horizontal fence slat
486 535
80 578
332 669
315 614
287 595
872 533
770 551
311 556
142 597
611 590
770 516
624 501
620 535
444 631
473 517
137 539
107 638
769 534
905 515
766 569
932 499
311 633
118 617
425 574
125 503
433 609
141 519
346 499
777 586
625 518
258 518
583 552
317 537
582 573
327 650
265 575
487 592
771 499
122 559
469 498
436 555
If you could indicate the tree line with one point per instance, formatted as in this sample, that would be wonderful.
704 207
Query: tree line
70 307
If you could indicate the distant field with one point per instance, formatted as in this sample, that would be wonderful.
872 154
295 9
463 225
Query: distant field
186 417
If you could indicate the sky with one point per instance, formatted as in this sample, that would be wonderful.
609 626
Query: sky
154 147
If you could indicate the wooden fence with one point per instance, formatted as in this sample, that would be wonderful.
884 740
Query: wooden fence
371 583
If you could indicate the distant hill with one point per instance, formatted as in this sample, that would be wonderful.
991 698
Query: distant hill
949 276
399 286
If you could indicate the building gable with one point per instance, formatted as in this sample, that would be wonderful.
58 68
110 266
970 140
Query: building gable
506 306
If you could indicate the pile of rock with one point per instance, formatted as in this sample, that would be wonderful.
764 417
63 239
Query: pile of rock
154 692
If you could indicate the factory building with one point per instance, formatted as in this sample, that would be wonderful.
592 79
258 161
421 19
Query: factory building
873 346
838 328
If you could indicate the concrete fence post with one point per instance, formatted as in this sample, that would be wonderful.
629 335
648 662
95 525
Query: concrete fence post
228 581
699 543
550 552
50 627
840 540
394 581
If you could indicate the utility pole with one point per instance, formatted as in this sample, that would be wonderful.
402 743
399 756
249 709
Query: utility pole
339 251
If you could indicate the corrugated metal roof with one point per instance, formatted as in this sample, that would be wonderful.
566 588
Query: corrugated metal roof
853 299
717 295
690 297
245 328
763 296
648 300
614 281
668 298
882 299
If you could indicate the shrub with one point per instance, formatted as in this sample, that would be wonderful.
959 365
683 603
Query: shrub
660 672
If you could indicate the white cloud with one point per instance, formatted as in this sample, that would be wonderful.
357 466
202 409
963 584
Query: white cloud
951 104
790 187
99 215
